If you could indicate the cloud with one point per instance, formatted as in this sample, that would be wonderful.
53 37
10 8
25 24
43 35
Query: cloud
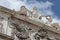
44 8
4 3
56 20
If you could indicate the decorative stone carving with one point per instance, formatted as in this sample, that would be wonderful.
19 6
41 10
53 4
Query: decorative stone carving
56 25
23 11
49 19
29 13
42 32
57 38
40 17
37 36
22 35
34 12
52 39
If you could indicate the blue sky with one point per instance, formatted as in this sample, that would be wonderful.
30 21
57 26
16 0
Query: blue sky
45 7
56 6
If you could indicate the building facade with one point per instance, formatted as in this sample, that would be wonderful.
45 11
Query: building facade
25 25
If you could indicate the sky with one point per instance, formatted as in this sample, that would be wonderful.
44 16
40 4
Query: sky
45 7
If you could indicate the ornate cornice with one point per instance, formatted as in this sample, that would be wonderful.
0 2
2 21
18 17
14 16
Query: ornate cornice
14 14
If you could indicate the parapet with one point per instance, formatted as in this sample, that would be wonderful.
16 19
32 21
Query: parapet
30 19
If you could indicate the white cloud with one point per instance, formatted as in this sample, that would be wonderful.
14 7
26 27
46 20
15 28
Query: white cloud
4 3
14 4
56 20
43 7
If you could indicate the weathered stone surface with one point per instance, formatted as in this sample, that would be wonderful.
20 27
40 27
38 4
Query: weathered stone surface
23 11
27 29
